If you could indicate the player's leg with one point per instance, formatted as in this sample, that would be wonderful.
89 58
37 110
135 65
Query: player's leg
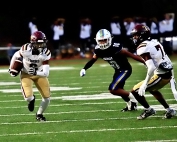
148 111
154 85
169 111
43 86
27 91
116 88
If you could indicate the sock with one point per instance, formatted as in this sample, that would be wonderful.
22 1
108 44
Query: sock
149 108
43 106
168 109
129 105
141 99
132 98
29 99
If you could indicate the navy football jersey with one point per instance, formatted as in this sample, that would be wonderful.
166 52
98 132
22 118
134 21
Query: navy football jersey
112 56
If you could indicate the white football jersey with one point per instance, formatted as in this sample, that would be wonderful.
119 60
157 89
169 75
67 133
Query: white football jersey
35 61
14 57
157 54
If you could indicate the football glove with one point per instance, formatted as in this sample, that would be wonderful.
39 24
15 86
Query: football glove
142 89
82 72
11 74
32 71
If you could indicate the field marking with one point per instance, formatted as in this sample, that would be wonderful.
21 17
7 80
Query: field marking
100 96
81 104
76 120
86 131
35 89
156 107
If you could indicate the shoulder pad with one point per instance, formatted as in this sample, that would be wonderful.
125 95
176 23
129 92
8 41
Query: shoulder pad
25 47
142 48
142 45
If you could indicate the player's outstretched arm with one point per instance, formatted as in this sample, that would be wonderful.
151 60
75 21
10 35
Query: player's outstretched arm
131 55
87 66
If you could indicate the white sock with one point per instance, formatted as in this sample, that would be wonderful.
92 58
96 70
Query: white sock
29 99
132 98
43 106
129 105
168 109
148 108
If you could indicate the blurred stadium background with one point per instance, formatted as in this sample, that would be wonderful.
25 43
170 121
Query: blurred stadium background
14 16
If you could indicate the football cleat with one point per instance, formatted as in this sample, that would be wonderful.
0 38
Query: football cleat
31 105
40 117
146 113
169 114
131 106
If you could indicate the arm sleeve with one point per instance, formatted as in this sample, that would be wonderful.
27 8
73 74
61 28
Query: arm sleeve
150 70
45 71
89 63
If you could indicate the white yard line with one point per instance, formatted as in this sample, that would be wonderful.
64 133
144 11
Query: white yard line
76 120
86 131
156 107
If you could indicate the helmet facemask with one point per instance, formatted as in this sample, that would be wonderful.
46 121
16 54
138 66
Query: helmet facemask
39 42
103 39
38 47
136 38
104 43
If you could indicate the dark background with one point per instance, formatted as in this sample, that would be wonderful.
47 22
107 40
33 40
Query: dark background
15 15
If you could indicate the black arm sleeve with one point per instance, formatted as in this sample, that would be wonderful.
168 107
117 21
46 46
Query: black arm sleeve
89 63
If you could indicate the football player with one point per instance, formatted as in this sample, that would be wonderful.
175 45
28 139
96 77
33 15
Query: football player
117 57
159 71
35 56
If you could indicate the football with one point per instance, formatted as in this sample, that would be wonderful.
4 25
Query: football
16 67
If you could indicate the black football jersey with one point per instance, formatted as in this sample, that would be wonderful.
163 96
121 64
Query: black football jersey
113 57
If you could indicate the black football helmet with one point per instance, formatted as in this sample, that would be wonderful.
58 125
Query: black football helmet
38 41
140 33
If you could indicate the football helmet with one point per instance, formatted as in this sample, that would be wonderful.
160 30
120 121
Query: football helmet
140 33
38 41
103 39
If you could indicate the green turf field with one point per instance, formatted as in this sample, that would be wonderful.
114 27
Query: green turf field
81 109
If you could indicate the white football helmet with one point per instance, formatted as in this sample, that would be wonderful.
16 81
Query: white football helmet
103 39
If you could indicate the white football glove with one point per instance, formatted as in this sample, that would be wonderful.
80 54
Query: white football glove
12 75
142 89
32 71
82 72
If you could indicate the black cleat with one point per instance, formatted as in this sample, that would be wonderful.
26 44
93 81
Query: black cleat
40 117
31 105
146 113
124 109
130 107
169 114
